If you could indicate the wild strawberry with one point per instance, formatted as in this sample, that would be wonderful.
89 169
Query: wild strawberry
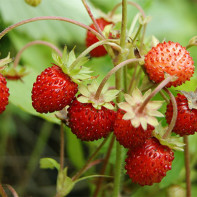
56 86
186 123
53 90
91 38
149 163
88 123
169 58
127 134
131 127
91 119
4 93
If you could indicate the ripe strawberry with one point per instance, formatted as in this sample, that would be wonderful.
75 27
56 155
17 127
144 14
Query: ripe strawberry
91 38
170 58
4 93
89 123
127 134
149 163
53 90
186 123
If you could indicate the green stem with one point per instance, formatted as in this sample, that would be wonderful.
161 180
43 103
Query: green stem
138 31
90 48
40 18
40 42
106 160
62 146
83 169
187 165
190 45
174 116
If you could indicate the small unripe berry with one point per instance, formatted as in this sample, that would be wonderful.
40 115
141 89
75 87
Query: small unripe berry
33 3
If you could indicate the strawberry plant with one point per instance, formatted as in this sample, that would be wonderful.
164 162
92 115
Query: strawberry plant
121 98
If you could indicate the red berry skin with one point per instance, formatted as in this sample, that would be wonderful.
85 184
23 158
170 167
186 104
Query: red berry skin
186 123
170 58
88 123
127 135
91 38
53 90
149 163
4 93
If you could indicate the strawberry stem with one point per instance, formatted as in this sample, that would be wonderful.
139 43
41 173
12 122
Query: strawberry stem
187 165
154 92
62 146
90 48
40 42
111 72
93 19
174 116
2 191
106 160
12 190
130 3
40 18
83 169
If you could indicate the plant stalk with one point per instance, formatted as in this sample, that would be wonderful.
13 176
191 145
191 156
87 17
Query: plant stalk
187 165
61 146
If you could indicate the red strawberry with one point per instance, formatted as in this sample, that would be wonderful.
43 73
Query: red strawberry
127 134
170 58
186 123
91 38
89 123
53 90
149 163
4 93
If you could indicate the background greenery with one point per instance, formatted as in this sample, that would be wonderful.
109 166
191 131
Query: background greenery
25 136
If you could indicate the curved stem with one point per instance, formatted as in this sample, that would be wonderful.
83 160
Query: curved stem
187 165
2 191
12 190
174 116
111 72
190 45
40 18
155 91
93 19
83 169
130 3
86 51
106 160
40 42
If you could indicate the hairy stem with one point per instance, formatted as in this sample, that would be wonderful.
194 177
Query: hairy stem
93 19
86 51
106 160
2 191
83 169
174 116
111 72
138 32
130 3
187 165
12 190
36 42
62 146
154 92
40 18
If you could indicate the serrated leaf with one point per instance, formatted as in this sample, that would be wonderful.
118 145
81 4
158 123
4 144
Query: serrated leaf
83 99
108 106
49 163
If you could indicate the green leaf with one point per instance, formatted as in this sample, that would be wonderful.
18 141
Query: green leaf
92 176
49 163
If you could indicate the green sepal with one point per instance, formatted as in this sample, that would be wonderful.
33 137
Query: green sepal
73 66
5 61
49 163
172 142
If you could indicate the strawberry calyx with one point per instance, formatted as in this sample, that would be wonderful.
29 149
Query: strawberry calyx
73 66
192 98
5 61
172 142
88 95
149 113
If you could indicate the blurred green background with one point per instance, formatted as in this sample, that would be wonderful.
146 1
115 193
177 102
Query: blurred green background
25 136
